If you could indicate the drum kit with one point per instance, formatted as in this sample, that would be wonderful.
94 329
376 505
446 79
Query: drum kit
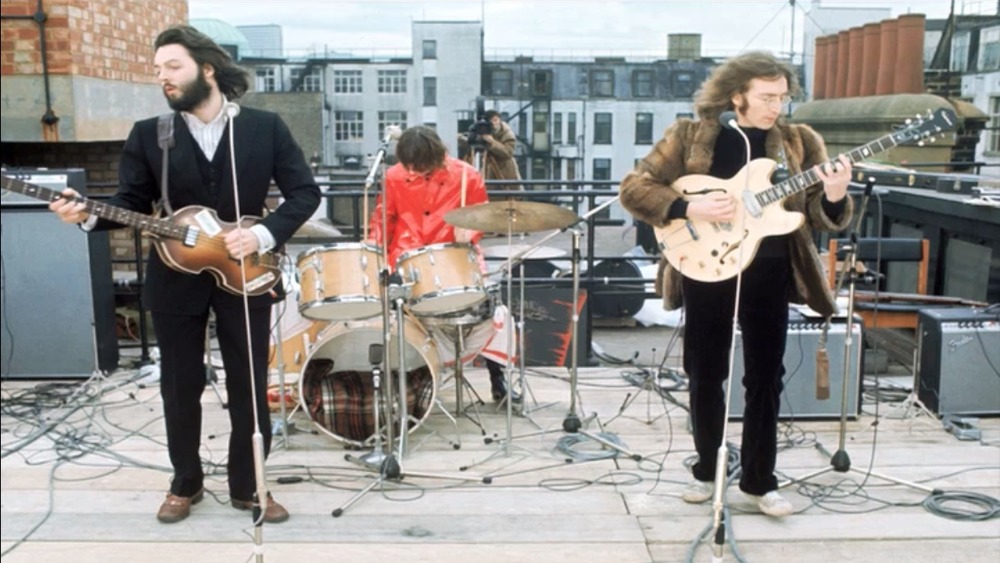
447 305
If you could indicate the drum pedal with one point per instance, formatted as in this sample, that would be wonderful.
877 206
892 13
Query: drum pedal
964 428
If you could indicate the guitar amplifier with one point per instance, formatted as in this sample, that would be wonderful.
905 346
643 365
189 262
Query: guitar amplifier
798 400
58 293
959 361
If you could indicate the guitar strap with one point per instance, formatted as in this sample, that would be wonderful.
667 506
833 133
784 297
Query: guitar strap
165 138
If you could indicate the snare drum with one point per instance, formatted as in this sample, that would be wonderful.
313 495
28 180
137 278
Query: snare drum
445 277
337 389
340 282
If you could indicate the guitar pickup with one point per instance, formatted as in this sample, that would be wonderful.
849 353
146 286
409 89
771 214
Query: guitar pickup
191 236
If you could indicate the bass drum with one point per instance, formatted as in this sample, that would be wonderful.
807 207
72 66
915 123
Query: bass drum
337 389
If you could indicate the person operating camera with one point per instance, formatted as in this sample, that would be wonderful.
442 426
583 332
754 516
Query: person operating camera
496 146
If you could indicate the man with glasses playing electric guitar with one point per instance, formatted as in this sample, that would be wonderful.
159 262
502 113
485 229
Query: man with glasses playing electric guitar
785 267
196 267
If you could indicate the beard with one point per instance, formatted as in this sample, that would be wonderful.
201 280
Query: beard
192 94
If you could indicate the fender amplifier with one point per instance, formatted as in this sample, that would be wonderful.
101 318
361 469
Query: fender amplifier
959 361
798 400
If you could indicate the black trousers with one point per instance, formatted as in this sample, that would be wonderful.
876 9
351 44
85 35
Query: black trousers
763 319
181 339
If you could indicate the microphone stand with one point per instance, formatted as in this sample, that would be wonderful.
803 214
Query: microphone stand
728 120
840 461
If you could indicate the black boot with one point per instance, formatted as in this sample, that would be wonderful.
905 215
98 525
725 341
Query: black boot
498 385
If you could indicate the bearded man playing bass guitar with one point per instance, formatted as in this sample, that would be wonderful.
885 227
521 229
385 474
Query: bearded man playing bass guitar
756 86
199 81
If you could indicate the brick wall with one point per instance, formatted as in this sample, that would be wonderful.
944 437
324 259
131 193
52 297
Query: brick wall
108 39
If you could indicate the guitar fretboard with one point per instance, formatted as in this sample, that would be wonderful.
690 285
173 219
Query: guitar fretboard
162 227
808 178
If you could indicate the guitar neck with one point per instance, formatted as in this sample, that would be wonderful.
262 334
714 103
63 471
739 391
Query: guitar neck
801 181
161 227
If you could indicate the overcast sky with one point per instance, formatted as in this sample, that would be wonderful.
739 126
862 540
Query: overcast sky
582 27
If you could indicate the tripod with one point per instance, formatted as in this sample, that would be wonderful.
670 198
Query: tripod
649 381
840 461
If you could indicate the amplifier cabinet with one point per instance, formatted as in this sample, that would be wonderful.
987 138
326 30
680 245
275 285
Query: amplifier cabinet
58 297
959 361
798 400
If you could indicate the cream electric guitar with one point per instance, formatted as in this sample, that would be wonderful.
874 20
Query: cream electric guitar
189 241
710 251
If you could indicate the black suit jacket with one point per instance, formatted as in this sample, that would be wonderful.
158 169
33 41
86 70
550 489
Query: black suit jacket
265 150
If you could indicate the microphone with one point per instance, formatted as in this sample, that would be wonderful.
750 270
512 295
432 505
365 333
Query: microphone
728 120
392 133
232 109
822 375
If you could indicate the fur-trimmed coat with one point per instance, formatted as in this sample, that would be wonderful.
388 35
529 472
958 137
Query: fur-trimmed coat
687 148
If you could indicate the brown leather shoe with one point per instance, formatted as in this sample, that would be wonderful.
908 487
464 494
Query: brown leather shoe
273 514
175 508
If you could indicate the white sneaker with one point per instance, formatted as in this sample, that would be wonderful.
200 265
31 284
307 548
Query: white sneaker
698 491
773 504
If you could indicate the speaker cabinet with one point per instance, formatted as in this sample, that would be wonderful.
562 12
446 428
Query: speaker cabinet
58 294
798 400
959 361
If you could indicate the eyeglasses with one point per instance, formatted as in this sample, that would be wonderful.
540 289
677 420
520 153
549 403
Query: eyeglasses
772 100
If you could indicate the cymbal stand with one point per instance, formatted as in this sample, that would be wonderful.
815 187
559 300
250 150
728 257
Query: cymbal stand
572 424
840 461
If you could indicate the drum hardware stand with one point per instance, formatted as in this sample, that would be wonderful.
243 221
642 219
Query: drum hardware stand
461 382
840 461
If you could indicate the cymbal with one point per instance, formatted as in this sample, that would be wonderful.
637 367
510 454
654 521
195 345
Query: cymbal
520 216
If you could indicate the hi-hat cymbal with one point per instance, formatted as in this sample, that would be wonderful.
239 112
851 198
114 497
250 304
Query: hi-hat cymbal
522 250
520 216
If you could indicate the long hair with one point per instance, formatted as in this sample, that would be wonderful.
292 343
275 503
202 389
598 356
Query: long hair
421 149
734 76
232 80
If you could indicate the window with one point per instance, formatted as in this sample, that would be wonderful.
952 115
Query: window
392 82
308 83
386 118
602 128
430 49
541 83
993 143
683 84
989 49
266 81
430 91
642 84
602 169
348 126
571 128
960 52
557 128
539 169
502 82
347 81
312 82
557 168
602 84
644 128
